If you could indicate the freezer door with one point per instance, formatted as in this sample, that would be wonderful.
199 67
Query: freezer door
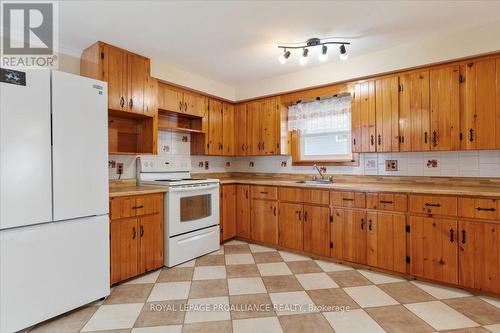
80 146
52 268
25 161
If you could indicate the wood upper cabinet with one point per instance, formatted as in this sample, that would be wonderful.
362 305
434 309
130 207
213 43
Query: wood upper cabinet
243 210
479 255
264 127
414 112
181 101
433 248
228 129
215 128
170 99
241 136
354 236
114 71
194 105
480 117
228 211
316 230
138 73
264 221
387 114
363 117
291 218
445 108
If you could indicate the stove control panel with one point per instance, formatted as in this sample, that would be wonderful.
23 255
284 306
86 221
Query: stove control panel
163 164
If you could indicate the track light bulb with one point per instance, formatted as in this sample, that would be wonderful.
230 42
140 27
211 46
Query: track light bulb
343 53
303 58
284 57
323 56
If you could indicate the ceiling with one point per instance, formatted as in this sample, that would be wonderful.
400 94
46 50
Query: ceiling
236 41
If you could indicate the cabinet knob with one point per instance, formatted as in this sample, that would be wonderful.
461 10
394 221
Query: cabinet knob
131 103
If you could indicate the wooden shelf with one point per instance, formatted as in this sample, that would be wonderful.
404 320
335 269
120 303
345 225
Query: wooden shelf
179 129
129 114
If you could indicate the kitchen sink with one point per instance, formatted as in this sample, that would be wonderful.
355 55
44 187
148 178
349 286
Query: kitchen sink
316 181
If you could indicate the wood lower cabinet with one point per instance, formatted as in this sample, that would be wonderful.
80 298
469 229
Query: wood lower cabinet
433 248
316 230
136 235
243 210
291 222
337 234
228 211
264 221
354 242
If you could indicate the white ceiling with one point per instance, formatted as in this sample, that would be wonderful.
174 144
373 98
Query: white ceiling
236 41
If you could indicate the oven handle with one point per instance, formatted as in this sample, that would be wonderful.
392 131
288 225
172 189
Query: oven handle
194 188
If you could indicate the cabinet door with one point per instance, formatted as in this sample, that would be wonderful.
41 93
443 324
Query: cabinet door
479 251
228 211
124 245
269 126
433 248
290 226
337 233
354 236
317 230
363 117
264 221
387 114
151 242
215 128
115 73
479 113
414 112
170 99
386 241
138 71
445 108
253 129
194 104
240 122
243 211
228 129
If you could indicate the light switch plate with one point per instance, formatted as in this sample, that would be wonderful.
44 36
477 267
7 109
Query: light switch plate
391 165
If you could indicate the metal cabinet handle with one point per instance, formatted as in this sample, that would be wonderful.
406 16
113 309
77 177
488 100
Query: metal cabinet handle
362 223
262 192
122 102
180 106
386 202
263 146
138 207
471 134
379 139
246 194
486 209
134 233
185 107
432 205
131 103
274 211
425 137
434 138
243 147
305 216
463 236
299 213
452 235
372 139
259 145
370 224
347 199
142 231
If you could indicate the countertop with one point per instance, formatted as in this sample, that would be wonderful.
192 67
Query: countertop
122 191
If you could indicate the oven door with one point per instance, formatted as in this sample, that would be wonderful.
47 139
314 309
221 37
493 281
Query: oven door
192 208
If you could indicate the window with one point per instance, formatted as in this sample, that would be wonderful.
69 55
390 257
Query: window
323 128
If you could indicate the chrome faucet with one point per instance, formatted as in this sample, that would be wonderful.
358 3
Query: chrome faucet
321 170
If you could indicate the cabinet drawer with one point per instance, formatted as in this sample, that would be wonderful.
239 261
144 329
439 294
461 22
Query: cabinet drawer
308 196
429 204
387 201
479 208
265 192
148 204
123 207
348 199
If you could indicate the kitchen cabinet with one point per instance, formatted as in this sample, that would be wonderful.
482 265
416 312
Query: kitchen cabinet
433 248
480 116
215 128
387 114
387 201
264 221
228 129
136 235
354 236
445 108
348 199
414 112
479 255
243 210
264 127
228 211
479 208
337 233
241 123
316 230
181 101
291 217
363 117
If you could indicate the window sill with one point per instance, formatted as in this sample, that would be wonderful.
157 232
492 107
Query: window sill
352 162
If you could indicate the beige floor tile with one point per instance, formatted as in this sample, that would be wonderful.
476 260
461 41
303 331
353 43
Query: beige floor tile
219 251
161 314
239 259
159 329
249 285
214 307
251 306
294 302
349 279
335 298
67 323
398 319
234 271
332 267
259 248
440 316
476 309
208 288
252 325
116 316
190 263
176 274
236 249
305 323
281 283
354 321
146 278
316 281
266 257
209 327
492 300
288 256
440 292
235 242
127 330
209 272
305 266
379 278
215 260
406 292
467 330
493 328
129 293
169 291
369 296
275 268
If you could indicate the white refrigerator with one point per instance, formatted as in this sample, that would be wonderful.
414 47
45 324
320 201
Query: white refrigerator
54 228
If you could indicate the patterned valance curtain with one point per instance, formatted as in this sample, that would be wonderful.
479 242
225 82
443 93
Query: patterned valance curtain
325 115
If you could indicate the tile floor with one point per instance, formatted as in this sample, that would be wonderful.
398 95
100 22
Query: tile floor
251 288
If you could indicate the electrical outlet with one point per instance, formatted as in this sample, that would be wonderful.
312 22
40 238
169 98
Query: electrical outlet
119 168
391 165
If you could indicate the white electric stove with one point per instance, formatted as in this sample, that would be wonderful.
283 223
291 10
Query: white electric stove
191 207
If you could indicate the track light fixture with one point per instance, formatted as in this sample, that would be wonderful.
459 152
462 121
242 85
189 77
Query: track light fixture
312 42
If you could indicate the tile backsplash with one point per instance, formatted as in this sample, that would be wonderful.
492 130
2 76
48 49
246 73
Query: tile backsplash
447 164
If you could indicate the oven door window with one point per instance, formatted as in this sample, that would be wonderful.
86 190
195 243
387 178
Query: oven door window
196 207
